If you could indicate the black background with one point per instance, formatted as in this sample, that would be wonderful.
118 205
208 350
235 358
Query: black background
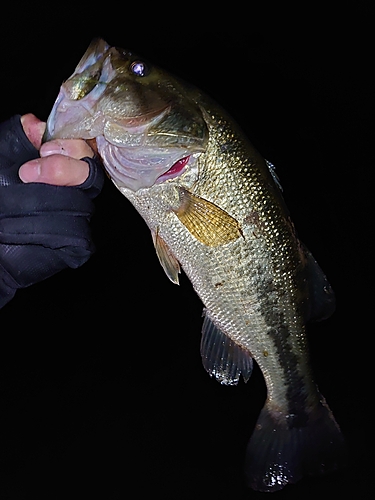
102 390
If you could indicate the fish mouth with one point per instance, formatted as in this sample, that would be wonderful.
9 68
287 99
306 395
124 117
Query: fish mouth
66 118
51 120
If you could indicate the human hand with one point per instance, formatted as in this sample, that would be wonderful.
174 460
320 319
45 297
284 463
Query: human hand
45 204
60 160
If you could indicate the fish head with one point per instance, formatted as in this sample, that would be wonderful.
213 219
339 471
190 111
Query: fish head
146 123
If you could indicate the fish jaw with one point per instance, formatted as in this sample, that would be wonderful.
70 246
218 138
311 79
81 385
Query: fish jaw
123 145
74 113
69 120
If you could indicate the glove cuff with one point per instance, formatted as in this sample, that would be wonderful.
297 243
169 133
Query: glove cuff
94 183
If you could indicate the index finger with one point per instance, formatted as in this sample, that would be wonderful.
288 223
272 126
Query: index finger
33 128
75 148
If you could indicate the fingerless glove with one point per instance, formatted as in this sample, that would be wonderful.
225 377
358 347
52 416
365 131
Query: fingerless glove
43 228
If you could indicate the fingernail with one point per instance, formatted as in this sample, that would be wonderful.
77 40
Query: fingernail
30 171
51 148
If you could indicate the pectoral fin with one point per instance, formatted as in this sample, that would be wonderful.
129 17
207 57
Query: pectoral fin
167 260
207 222
223 358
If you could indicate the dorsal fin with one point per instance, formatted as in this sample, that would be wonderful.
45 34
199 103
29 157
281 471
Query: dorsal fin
222 357
321 298
272 169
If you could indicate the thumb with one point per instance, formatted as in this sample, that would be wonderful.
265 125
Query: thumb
33 128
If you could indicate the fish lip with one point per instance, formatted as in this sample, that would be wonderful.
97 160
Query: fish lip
60 108
50 125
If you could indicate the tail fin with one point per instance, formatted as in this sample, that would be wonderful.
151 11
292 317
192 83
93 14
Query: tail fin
279 452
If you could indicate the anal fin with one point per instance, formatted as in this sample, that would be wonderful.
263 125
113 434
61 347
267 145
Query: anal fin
222 357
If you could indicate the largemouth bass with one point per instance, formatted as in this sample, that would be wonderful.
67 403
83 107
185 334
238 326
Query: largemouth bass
215 209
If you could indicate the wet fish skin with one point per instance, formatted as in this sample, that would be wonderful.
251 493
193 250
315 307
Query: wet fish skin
215 208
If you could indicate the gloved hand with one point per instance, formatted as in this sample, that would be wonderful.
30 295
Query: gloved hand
43 228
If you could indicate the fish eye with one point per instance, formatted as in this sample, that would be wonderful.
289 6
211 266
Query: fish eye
139 68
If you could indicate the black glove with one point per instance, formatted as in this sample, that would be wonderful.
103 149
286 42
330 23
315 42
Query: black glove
43 228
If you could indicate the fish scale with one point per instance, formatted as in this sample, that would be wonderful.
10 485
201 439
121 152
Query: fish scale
215 209
236 307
